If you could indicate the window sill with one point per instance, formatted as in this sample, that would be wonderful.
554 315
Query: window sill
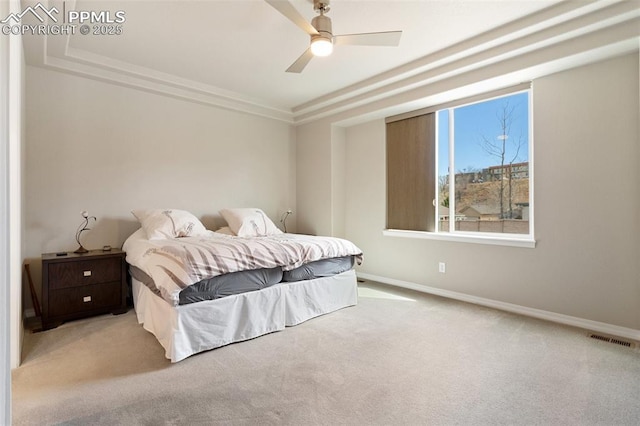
510 240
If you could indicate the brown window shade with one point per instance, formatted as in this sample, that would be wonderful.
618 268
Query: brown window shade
411 173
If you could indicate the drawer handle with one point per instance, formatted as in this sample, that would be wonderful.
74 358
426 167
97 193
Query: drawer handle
86 299
87 273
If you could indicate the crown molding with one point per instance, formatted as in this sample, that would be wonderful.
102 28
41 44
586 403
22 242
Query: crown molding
81 62
527 43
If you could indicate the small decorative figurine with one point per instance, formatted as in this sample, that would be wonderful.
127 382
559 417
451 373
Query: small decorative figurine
83 227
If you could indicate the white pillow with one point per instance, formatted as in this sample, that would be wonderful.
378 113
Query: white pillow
249 222
160 224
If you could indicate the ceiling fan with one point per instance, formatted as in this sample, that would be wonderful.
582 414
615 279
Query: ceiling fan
322 38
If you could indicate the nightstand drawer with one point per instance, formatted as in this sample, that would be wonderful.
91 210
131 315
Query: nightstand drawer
85 272
79 299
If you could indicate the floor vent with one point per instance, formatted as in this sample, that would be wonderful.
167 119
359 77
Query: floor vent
621 342
612 340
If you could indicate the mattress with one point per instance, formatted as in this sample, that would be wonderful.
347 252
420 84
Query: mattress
230 284
319 269
258 279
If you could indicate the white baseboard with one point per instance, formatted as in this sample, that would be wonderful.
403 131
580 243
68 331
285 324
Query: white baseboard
600 327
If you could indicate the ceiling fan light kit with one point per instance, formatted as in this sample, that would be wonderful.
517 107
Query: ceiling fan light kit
321 33
321 46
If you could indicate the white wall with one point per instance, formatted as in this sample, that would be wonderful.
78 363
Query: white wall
11 148
5 288
109 149
338 180
313 179
321 178
587 205
17 127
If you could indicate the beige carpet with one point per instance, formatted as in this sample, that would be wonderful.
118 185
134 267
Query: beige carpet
399 357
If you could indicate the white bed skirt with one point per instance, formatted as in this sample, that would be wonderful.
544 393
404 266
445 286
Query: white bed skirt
188 329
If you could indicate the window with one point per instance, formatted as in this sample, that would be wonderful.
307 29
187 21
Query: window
463 169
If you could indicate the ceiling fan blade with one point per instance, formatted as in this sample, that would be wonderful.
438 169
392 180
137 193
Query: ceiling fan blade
301 62
387 38
291 13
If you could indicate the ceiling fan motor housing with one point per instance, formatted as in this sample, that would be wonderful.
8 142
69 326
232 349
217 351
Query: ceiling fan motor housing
322 24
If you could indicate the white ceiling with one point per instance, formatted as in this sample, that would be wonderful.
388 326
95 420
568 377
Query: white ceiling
234 53
245 45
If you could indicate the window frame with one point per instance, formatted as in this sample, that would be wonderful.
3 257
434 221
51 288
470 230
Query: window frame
489 238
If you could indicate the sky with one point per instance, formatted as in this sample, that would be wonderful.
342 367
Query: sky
477 121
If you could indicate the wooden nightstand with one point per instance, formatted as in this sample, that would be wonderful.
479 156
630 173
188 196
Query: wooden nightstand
81 285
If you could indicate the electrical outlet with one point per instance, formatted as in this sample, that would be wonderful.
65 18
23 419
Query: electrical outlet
442 268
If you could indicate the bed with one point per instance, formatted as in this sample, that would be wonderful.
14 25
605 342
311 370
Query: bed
197 290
